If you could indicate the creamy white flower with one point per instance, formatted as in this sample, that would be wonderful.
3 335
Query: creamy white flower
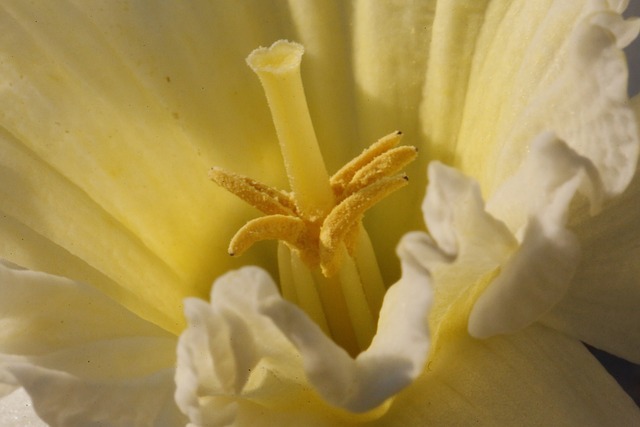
106 142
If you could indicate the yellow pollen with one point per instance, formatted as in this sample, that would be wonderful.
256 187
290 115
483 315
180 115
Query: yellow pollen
326 261
358 186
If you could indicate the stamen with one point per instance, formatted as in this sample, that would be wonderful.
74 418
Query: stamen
267 199
326 261
288 229
347 215
362 319
366 263
308 293
343 177
382 166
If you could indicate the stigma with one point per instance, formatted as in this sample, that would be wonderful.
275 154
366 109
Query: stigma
326 262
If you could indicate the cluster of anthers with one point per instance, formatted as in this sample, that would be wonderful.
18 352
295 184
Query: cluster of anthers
318 240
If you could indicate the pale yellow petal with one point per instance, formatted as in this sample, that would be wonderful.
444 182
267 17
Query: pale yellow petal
601 307
42 207
390 48
533 378
324 29
472 243
66 401
535 203
46 317
527 75
129 117
456 30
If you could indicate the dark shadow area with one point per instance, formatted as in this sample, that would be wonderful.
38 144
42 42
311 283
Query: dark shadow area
633 51
627 374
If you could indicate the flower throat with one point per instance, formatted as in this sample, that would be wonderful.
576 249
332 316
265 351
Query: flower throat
326 262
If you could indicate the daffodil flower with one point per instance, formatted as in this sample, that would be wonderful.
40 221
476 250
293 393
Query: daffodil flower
114 114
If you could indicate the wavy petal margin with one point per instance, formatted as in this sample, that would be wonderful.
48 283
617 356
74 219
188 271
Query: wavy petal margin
535 203
223 350
534 260
546 374
607 285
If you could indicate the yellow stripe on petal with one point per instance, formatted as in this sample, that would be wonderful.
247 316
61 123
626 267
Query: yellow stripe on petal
322 28
456 26
43 199
528 74
390 51
90 111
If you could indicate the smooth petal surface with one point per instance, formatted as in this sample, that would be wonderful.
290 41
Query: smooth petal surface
66 400
532 378
148 99
390 54
131 109
601 307
545 184
81 356
16 410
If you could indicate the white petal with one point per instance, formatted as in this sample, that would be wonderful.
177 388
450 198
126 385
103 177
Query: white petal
545 184
398 349
474 242
68 401
607 285
16 410
531 279
625 31
534 280
618 5
455 214
80 355
228 349
535 202
231 346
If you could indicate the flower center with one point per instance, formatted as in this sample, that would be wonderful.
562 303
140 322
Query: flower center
326 263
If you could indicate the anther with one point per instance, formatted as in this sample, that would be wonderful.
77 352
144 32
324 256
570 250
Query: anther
347 215
343 177
285 228
267 199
